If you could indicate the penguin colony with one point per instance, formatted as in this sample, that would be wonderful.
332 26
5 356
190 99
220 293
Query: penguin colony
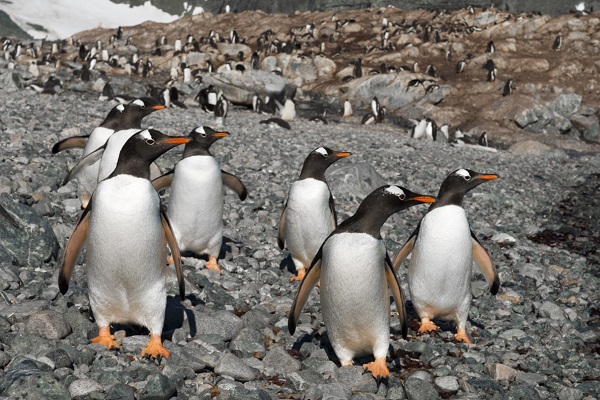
126 232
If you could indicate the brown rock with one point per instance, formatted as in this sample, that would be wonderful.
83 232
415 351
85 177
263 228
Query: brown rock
501 372
529 147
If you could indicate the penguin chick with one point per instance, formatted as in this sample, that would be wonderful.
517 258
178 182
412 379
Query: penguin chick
196 202
443 248
127 235
309 213
355 273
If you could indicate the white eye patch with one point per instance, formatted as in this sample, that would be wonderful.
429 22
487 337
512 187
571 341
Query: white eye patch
121 107
138 102
146 135
199 129
322 151
396 191
463 173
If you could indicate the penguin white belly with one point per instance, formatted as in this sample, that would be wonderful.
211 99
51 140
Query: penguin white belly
88 177
354 295
196 205
110 156
126 253
308 220
439 275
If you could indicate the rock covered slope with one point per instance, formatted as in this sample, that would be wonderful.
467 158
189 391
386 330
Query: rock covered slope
536 339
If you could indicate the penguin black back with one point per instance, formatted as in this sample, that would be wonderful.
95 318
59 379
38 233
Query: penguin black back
378 206
318 161
457 185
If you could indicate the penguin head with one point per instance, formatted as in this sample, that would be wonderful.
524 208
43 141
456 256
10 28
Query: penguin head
142 149
319 160
378 206
459 183
130 115
201 138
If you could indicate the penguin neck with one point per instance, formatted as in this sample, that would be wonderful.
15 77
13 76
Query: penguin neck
191 150
366 220
455 199
132 166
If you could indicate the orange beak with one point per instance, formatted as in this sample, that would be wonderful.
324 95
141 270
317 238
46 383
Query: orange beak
489 177
159 107
220 134
424 199
343 154
177 140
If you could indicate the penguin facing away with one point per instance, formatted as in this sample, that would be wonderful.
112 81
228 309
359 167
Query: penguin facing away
355 273
127 234
443 248
196 202
309 215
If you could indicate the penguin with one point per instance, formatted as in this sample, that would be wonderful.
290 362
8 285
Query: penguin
347 109
443 248
418 130
276 122
255 61
460 66
509 87
309 215
483 139
196 202
430 129
356 276
221 107
127 235
557 42
357 68
207 98
490 48
288 111
106 146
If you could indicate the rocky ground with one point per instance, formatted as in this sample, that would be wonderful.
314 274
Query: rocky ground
537 339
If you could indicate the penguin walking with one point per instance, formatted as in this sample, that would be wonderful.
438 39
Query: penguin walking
196 202
127 235
221 108
356 275
309 213
443 248
557 42
508 88
121 118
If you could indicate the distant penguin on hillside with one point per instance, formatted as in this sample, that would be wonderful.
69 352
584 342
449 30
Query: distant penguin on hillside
509 87
557 42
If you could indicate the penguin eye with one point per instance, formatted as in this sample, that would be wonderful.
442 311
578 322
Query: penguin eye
150 141
203 134
402 196
467 177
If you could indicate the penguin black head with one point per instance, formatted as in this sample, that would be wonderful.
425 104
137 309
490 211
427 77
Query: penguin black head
130 115
201 138
318 161
378 206
142 149
459 183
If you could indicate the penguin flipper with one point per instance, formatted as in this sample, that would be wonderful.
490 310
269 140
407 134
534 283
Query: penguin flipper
86 161
163 181
392 281
74 245
175 253
308 283
234 183
281 232
73 142
332 209
484 261
406 249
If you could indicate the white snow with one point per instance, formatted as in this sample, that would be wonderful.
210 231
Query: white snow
63 18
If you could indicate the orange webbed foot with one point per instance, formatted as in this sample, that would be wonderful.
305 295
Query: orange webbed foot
378 368
105 338
212 265
300 276
155 349
170 260
461 336
427 326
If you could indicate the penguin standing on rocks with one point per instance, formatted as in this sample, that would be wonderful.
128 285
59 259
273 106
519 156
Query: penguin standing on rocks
309 213
127 236
443 248
356 276
509 87
557 42
196 202
122 118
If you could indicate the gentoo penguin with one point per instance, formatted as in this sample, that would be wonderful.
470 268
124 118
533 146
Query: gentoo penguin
357 68
355 273
557 42
490 48
509 87
431 129
207 98
105 143
347 109
276 122
221 107
288 111
127 235
443 248
196 202
418 131
309 213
